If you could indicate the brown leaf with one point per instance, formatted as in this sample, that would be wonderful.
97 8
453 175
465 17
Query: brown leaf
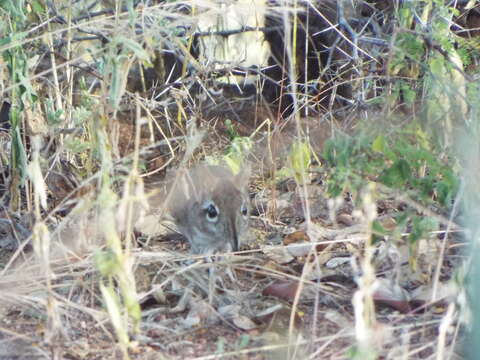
295 237
402 306
345 219
285 290
389 223
294 243
391 294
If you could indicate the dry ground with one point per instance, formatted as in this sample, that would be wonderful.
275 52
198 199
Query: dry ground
313 281
291 283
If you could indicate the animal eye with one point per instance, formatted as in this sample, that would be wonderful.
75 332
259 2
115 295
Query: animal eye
244 210
212 212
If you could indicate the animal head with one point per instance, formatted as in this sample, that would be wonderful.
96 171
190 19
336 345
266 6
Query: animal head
211 208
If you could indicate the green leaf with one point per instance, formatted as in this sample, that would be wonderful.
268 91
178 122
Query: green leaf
231 131
379 229
133 46
37 7
237 152
402 219
112 303
243 341
421 226
379 144
19 155
300 157
397 175
408 94
15 8
220 345
106 262
445 192
437 66
76 146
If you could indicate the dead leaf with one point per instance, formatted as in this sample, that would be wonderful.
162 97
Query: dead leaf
149 225
316 233
299 250
229 311
279 254
445 290
279 321
389 223
285 290
345 219
200 312
337 261
269 311
391 294
244 323
232 312
295 240
337 318
295 237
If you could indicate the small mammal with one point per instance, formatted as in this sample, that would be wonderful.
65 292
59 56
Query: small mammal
210 207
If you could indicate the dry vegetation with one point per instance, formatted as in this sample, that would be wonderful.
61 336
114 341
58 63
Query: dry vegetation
361 137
